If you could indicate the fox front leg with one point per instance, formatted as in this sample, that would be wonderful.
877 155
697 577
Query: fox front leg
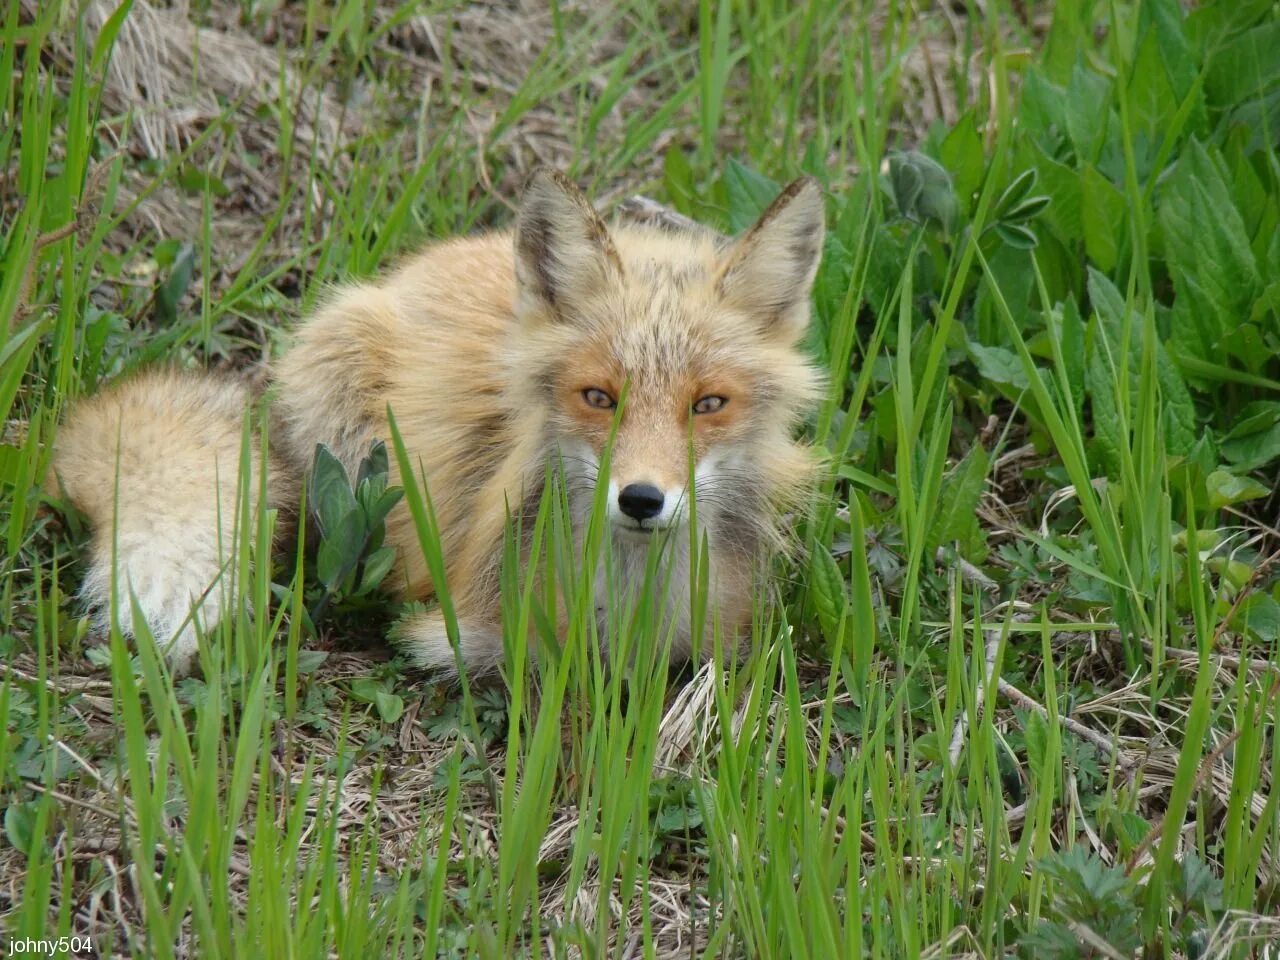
424 637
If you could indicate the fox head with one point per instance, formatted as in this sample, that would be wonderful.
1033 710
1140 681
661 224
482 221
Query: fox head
697 341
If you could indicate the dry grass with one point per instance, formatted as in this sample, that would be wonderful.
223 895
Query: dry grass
203 86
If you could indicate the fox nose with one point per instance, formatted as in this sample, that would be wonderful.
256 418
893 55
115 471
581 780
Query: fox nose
640 501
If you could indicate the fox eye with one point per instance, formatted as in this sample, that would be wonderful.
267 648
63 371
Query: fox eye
597 398
710 404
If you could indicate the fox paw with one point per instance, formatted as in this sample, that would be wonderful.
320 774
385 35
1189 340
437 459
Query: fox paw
423 635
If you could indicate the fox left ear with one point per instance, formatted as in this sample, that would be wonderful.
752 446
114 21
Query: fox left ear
563 251
768 272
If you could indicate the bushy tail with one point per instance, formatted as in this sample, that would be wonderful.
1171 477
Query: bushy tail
154 463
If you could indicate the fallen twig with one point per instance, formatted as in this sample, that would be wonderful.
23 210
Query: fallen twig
1105 746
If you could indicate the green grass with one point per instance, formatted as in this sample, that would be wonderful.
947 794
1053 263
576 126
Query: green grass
1020 696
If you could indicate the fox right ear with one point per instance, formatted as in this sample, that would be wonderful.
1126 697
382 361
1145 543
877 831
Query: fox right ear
768 272
563 251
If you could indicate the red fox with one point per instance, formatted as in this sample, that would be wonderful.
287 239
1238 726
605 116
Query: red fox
497 354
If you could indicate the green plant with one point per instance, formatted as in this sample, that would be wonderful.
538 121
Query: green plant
351 561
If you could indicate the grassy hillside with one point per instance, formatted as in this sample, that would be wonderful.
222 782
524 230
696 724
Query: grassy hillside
1019 696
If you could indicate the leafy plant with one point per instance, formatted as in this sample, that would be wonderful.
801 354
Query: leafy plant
921 189
351 560
1094 908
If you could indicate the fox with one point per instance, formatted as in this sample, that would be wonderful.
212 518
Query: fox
498 354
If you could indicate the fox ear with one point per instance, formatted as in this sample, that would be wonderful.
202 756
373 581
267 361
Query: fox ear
768 272
563 250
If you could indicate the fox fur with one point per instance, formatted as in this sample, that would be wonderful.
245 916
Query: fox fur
497 354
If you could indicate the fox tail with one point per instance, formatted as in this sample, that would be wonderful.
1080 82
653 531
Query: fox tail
155 464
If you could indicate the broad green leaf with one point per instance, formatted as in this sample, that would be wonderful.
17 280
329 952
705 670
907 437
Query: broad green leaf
329 495
956 518
1103 218
1268 303
1087 109
373 464
1246 66
962 154
1152 100
329 563
310 661
1255 438
830 290
1178 57
1210 25
830 594
1131 828
884 269
339 551
1260 116
999 365
1070 31
906 182
1227 488
748 192
1012 276
1027 209
390 705
1252 194
1260 614
1247 343
1213 267
1042 111
376 512
1253 450
1255 418
677 818
376 566
1178 410
19 824
1198 886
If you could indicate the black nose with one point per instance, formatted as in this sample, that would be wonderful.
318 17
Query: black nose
640 501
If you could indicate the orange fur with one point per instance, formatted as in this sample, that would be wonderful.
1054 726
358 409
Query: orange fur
484 357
